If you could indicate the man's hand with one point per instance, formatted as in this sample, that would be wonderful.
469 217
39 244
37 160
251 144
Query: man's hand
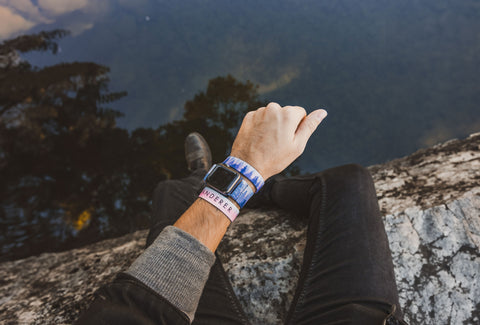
272 137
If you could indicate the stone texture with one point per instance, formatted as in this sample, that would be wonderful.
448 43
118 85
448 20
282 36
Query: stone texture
429 177
262 253
418 185
431 206
436 253
53 288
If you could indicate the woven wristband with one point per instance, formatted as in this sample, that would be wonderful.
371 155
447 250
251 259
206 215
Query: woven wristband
220 202
246 170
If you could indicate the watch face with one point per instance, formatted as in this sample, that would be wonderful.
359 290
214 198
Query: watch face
222 178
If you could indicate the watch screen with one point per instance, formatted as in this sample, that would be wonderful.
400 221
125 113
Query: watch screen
221 178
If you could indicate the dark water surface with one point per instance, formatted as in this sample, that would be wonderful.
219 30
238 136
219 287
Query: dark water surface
394 76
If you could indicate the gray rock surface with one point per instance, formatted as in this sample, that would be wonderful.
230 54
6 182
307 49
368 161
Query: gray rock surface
53 288
436 188
431 206
437 258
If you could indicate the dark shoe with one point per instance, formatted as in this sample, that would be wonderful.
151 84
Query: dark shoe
197 152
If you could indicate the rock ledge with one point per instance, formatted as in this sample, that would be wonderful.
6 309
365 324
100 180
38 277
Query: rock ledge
431 206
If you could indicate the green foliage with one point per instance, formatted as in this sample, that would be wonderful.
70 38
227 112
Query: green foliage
43 41
60 151
69 172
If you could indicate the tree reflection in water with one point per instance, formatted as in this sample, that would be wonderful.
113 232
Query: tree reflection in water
68 174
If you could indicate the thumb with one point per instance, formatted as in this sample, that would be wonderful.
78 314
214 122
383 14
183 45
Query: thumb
309 124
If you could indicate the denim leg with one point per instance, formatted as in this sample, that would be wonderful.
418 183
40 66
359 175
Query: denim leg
347 275
218 303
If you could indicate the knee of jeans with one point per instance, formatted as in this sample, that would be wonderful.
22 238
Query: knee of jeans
355 171
352 173
351 179
164 187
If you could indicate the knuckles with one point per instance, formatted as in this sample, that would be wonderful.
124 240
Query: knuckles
249 115
273 122
273 105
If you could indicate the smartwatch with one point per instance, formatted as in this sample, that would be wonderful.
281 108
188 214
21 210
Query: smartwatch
229 183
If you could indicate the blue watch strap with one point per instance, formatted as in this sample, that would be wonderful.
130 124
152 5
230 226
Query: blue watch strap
242 193
246 170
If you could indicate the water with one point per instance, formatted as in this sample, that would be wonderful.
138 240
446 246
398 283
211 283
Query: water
394 76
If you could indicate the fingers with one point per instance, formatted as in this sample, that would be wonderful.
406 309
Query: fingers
273 105
296 114
308 125
271 137
297 117
291 113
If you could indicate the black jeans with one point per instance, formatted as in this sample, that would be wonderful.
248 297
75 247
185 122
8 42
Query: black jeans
347 274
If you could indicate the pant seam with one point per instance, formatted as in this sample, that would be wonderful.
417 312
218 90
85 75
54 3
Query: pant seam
320 227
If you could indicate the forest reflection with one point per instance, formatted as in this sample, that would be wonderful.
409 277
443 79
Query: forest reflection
69 175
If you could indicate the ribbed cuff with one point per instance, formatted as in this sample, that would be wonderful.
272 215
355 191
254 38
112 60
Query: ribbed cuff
176 266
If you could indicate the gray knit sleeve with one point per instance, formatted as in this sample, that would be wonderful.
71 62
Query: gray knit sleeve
176 265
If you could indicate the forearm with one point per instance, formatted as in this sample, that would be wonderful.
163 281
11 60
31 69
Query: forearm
162 286
177 264
204 222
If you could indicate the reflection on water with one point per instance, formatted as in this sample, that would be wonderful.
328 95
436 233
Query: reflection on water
69 174
387 71
393 75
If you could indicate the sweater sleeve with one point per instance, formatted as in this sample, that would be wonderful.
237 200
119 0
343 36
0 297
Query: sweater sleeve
176 266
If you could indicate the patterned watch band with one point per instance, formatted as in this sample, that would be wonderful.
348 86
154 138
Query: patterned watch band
242 193
246 170
220 202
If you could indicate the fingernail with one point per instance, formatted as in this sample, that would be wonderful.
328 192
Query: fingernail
320 115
